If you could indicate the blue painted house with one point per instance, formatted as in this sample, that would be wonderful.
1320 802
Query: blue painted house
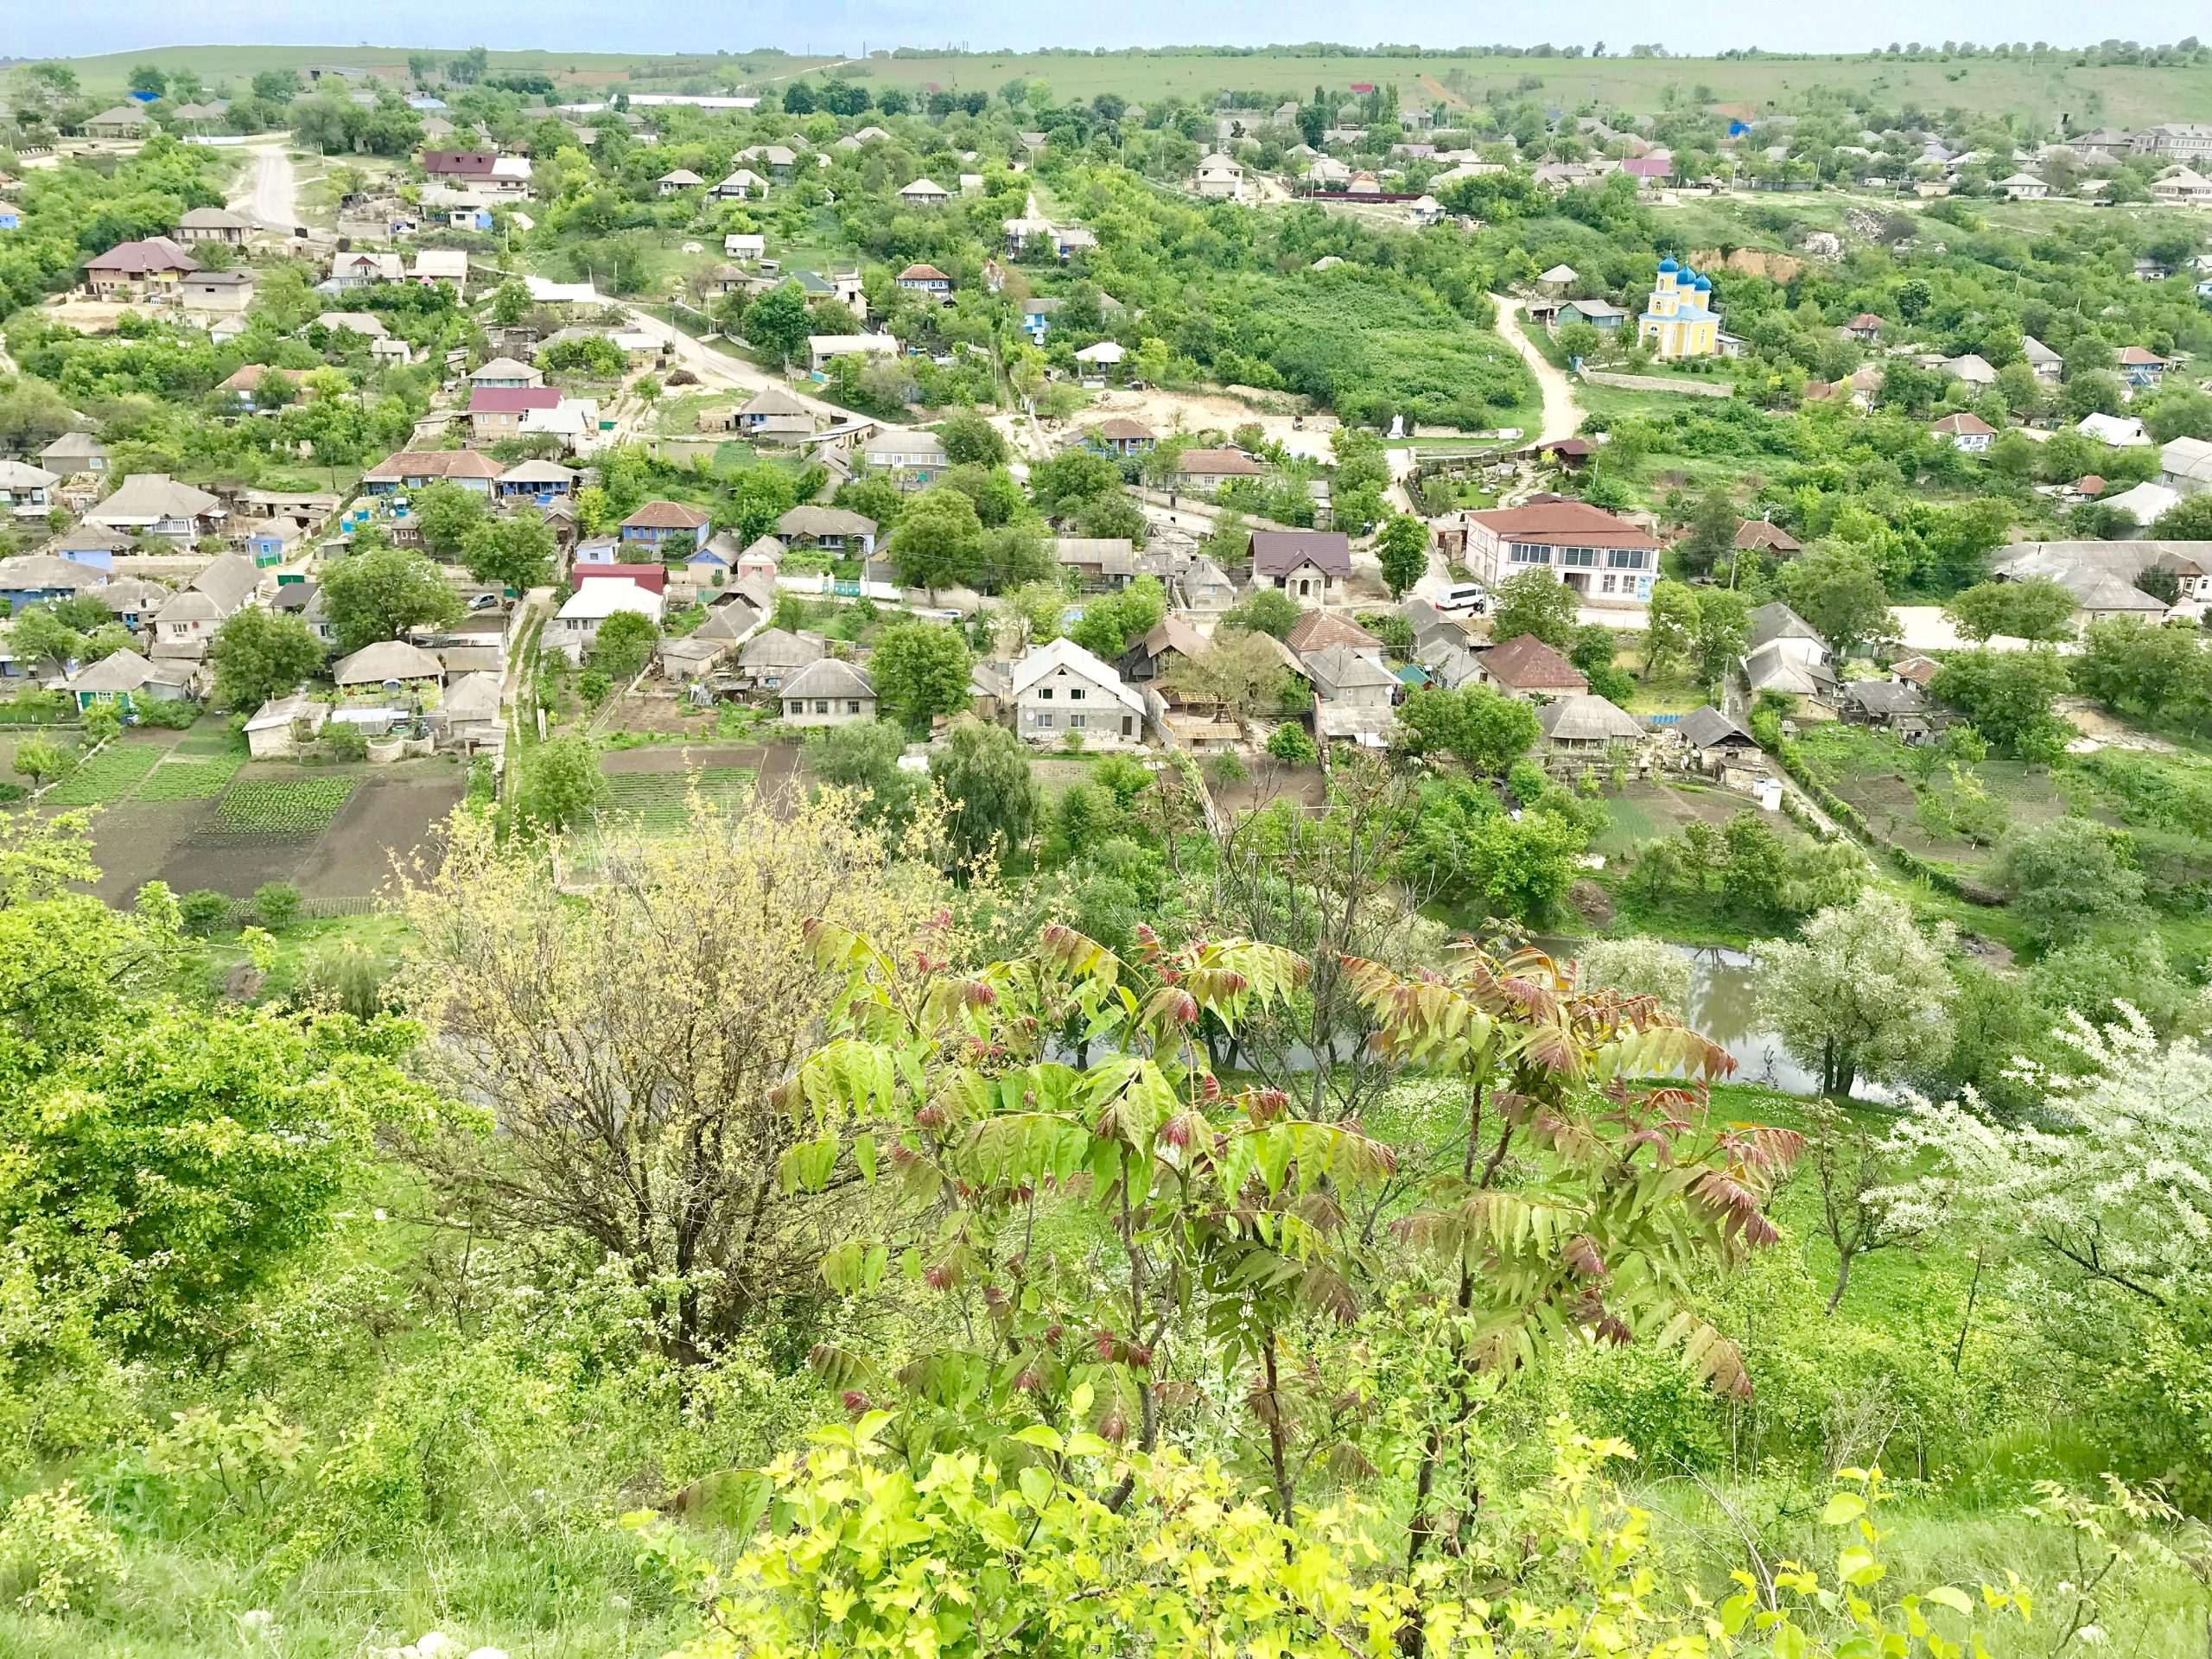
659 522
36 578
1037 314
11 216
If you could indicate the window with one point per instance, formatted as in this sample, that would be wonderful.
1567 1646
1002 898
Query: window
822 705
1044 720
1044 693
1075 722
1524 554
1075 694
852 705
1582 558
1610 580
794 707
1625 558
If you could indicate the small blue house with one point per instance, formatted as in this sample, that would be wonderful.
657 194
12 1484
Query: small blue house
1036 315
11 216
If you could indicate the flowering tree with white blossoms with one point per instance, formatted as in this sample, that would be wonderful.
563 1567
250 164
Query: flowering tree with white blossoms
2115 1182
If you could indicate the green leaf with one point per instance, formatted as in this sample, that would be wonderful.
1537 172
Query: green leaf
1842 1509
1039 1434
864 1155
1036 1486
1945 1595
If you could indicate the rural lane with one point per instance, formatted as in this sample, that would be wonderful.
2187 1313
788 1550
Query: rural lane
271 193
1562 416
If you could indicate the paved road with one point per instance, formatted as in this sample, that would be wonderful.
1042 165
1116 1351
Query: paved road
269 191
1562 417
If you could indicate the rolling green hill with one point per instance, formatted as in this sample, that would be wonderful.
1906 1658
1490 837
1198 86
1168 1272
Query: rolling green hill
2046 87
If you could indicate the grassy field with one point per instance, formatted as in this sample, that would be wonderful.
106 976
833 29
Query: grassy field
2044 87
266 807
659 802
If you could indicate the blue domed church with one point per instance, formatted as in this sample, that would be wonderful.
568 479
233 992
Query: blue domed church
1679 320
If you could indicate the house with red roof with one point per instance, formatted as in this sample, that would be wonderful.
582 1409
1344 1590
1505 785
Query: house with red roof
137 270
496 412
412 469
1524 666
1604 558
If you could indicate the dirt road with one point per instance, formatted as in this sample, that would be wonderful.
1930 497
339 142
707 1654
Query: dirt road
269 190
719 371
1562 416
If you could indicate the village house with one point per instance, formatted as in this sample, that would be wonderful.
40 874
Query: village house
504 374
913 457
1220 178
189 620
389 670
1784 652
665 524
36 578
2141 366
2184 466
822 350
575 626
440 265
774 413
1580 723
279 726
1119 436
213 225
359 268
412 469
496 412
925 193
536 483
225 293
834 530
124 121
742 184
1866 328
2101 576
827 693
926 279
772 656
1709 742
682 178
1525 667
1060 688
126 679
1209 469
1967 430
1757 536
26 491
1354 695
1172 642
1898 707
1310 565
75 453
1603 558
151 269
154 503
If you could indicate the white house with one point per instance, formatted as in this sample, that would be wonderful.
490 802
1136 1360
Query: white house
1061 688
575 629
827 692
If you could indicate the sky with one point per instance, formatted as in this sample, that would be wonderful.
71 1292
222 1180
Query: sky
83 28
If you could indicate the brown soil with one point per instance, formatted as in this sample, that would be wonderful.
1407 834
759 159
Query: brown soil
397 816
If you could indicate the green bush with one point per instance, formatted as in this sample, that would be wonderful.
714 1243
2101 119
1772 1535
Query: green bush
277 905
203 911
343 741
169 717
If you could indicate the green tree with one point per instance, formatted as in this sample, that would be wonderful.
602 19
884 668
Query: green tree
2010 697
1111 623
1484 731
447 515
2036 608
625 645
970 439
2188 519
1403 546
1535 602
2127 664
863 757
1861 992
148 79
939 542
517 551
38 635
1710 536
42 759
920 670
1671 627
777 322
381 593
990 796
258 654
1070 480
562 784
1291 744
1266 610
1837 588
2070 877
510 303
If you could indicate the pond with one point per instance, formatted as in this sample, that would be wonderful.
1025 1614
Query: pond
1723 1005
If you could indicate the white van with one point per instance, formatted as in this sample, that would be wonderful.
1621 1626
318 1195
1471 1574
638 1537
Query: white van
1467 599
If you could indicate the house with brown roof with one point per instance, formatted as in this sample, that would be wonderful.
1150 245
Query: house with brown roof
1119 436
1171 643
142 269
1310 565
1967 430
1757 536
1317 631
1865 326
926 279
1524 666
213 225
124 121
664 524
411 469
1207 469
1605 559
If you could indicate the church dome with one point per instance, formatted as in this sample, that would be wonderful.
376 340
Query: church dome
1704 284
1668 265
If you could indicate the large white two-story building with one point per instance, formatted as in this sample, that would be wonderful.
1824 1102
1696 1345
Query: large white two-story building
1606 560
